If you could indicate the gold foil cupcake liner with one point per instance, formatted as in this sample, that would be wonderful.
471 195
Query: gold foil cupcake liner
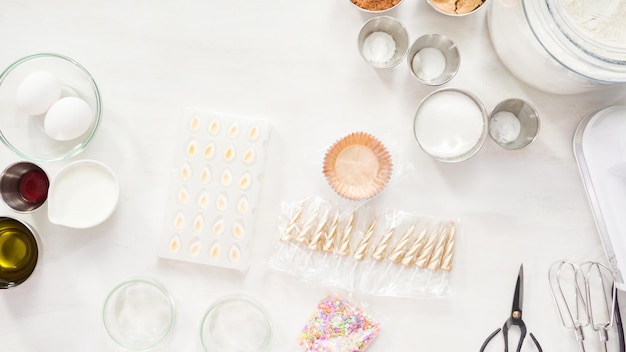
357 166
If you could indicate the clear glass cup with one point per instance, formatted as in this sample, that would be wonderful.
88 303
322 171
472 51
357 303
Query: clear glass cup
236 323
139 314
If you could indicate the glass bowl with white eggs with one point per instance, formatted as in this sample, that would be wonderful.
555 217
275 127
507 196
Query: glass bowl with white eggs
50 107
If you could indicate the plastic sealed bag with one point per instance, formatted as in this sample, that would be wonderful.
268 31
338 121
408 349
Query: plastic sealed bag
338 325
385 252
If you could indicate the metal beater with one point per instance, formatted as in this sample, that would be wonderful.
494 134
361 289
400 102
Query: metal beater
586 295
601 295
564 276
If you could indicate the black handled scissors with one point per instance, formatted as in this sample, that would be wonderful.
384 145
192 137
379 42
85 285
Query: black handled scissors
515 319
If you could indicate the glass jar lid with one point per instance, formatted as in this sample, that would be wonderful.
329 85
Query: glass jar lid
599 21
588 37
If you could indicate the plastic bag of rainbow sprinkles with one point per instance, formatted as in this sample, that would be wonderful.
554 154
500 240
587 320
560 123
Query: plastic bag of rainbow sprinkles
338 325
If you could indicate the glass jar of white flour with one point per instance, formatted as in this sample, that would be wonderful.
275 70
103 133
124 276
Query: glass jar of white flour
561 46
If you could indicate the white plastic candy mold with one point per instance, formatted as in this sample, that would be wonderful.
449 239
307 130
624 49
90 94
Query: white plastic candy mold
214 189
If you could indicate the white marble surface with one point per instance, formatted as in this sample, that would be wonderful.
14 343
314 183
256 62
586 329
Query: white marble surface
295 63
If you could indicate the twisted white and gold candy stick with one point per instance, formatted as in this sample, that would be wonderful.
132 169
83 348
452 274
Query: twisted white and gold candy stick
416 246
329 239
292 225
381 248
346 236
396 252
316 236
289 232
434 263
330 236
303 234
362 248
423 257
378 254
448 253
343 247
434 259
409 256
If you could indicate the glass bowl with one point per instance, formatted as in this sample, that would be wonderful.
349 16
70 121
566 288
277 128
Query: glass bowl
25 134
139 314
19 252
236 323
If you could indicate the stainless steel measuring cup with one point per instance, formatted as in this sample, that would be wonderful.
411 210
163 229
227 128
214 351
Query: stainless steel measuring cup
24 186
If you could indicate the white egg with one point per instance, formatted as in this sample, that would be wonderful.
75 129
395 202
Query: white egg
67 119
37 92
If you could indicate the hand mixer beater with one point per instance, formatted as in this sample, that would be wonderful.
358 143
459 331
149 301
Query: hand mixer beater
585 296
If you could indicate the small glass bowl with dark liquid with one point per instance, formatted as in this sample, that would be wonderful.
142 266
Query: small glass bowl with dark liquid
24 186
18 252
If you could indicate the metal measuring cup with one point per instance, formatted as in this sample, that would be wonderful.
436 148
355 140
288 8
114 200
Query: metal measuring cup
390 26
24 186
444 50
525 117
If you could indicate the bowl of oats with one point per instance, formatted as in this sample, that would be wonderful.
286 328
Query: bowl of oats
456 7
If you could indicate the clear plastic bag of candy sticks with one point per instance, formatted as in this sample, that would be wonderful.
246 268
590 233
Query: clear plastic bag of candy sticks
386 252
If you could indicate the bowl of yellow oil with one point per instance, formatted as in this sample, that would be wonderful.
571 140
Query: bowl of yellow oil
18 252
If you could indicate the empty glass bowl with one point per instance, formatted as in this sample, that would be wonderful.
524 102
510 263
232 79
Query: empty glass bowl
24 132
235 323
139 314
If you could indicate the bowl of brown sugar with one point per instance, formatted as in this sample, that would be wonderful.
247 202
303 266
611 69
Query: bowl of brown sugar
457 7
375 6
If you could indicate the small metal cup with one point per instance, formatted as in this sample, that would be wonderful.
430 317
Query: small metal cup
12 182
418 64
528 124
390 26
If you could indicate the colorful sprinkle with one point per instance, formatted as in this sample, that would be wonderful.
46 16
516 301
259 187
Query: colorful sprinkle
337 325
